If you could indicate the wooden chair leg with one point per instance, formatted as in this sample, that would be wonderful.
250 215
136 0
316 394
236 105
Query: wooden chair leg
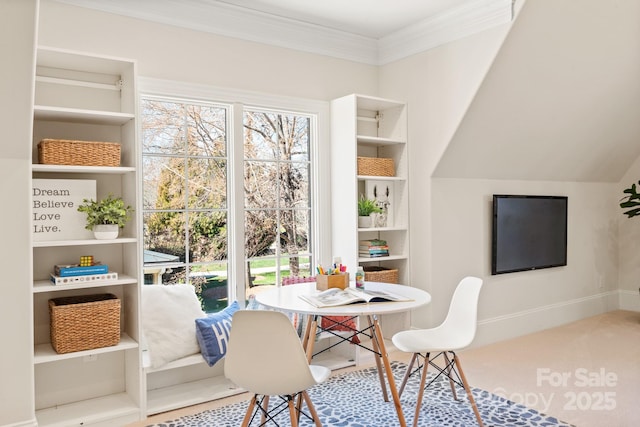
407 374
265 405
312 409
449 369
423 382
468 390
247 416
292 412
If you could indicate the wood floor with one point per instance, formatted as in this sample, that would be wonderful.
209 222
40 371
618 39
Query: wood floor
586 373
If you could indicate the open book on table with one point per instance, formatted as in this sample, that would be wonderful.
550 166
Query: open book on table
335 297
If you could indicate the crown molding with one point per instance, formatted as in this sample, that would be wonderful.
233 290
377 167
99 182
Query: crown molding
470 18
237 22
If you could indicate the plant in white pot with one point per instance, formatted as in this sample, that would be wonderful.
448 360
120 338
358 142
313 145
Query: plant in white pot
365 208
106 217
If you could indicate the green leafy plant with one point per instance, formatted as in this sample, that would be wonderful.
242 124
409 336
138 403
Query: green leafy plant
111 210
632 200
367 206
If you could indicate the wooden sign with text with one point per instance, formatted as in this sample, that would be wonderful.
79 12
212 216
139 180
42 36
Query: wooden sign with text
55 213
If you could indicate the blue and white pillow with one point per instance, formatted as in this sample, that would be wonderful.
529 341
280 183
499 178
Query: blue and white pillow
213 333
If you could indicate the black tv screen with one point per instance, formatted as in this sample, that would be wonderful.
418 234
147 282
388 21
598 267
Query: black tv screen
529 233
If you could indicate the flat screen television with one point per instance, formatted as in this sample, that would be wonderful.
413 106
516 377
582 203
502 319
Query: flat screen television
529 233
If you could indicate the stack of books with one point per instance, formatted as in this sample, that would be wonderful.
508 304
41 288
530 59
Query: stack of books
67 274
373 248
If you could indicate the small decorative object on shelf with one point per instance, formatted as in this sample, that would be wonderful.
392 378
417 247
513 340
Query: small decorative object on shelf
106 217
365 208
382 193
86 260
55 208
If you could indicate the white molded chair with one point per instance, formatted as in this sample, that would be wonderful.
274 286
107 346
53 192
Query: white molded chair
265 357
456 332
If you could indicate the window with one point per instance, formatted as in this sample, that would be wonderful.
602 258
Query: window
277 172
184 149
192 218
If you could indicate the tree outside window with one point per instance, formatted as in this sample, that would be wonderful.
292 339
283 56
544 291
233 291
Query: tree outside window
186 212
277 196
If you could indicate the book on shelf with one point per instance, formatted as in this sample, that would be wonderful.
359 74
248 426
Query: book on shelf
372 242
89 278
373 248
76 270
370 255
336 297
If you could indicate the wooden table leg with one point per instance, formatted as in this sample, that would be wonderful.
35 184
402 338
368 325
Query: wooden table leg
387 365
377 353
310 336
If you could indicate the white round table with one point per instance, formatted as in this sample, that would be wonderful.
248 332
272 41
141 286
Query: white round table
287 298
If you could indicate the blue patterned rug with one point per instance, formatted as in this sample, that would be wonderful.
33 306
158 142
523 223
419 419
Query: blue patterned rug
354 399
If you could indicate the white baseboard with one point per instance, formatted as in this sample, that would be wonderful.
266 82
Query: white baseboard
629 300
528 321
27 423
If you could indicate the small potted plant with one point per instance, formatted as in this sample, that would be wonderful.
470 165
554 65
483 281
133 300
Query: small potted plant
106 217
365 208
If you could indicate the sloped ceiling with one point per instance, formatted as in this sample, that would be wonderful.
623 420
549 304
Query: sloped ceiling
561 102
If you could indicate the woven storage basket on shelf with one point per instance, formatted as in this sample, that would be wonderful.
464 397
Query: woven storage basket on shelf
84 322
375 166
78 153
380 274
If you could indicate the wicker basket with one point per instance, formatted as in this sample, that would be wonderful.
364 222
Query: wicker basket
380 274
84 322
375 166
78 153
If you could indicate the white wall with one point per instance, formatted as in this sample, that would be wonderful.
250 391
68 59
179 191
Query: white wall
173 53
438 85
629 236
451 218
517 303
17 36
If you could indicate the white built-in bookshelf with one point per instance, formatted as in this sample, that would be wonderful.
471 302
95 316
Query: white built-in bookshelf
372 127
90 98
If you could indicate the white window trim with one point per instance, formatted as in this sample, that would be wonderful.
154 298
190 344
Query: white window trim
320 146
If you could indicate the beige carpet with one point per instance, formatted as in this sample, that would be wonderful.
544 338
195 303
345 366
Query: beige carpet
586 373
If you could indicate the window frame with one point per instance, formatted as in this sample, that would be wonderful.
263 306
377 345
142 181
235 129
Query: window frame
237 101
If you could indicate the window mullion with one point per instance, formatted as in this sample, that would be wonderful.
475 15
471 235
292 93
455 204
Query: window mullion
235 197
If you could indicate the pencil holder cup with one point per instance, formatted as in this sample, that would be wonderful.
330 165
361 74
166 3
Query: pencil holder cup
327 281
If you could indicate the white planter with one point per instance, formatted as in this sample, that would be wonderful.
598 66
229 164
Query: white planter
364 221
106 231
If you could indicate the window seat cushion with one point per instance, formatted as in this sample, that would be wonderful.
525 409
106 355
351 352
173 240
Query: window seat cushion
168 316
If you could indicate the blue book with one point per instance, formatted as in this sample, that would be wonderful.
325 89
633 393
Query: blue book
69 271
